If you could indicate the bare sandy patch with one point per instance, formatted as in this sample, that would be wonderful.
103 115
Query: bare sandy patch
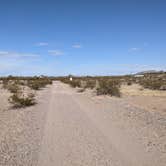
138 90
21 129
4 95
151 100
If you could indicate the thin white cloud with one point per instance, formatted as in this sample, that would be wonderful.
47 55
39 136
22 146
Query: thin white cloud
77 46
7 54
56 52
2 53
134 49
42 44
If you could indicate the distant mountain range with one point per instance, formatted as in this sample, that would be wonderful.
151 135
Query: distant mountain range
149 72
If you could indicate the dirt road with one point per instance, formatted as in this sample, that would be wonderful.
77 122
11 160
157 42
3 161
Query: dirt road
67 128
83 132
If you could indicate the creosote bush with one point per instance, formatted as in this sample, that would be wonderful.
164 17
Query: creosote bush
13 88
5 83
108 87
19 101
75 83
152 84
16 85
38 84
90 84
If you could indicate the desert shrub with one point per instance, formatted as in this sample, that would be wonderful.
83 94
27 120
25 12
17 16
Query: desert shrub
19 101
75 83
37 84
152 84
65 80
13 88
151 81
90 84
5 83
107 87
20 82
129 83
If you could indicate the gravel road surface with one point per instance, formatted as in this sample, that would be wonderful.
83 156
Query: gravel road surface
67 128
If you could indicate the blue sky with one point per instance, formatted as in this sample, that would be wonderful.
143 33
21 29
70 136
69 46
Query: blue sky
82 37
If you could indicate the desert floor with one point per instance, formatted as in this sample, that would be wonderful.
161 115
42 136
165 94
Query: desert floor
67 128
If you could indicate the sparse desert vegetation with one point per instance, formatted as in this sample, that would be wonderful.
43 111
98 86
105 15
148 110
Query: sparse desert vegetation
139 102
18 100
110 85
23 89
38 83
103 85
83 83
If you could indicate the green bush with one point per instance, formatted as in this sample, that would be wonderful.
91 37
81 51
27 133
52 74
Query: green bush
13 88
37 84
107 87
90 84
75 83
152 84
5 83
19 101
